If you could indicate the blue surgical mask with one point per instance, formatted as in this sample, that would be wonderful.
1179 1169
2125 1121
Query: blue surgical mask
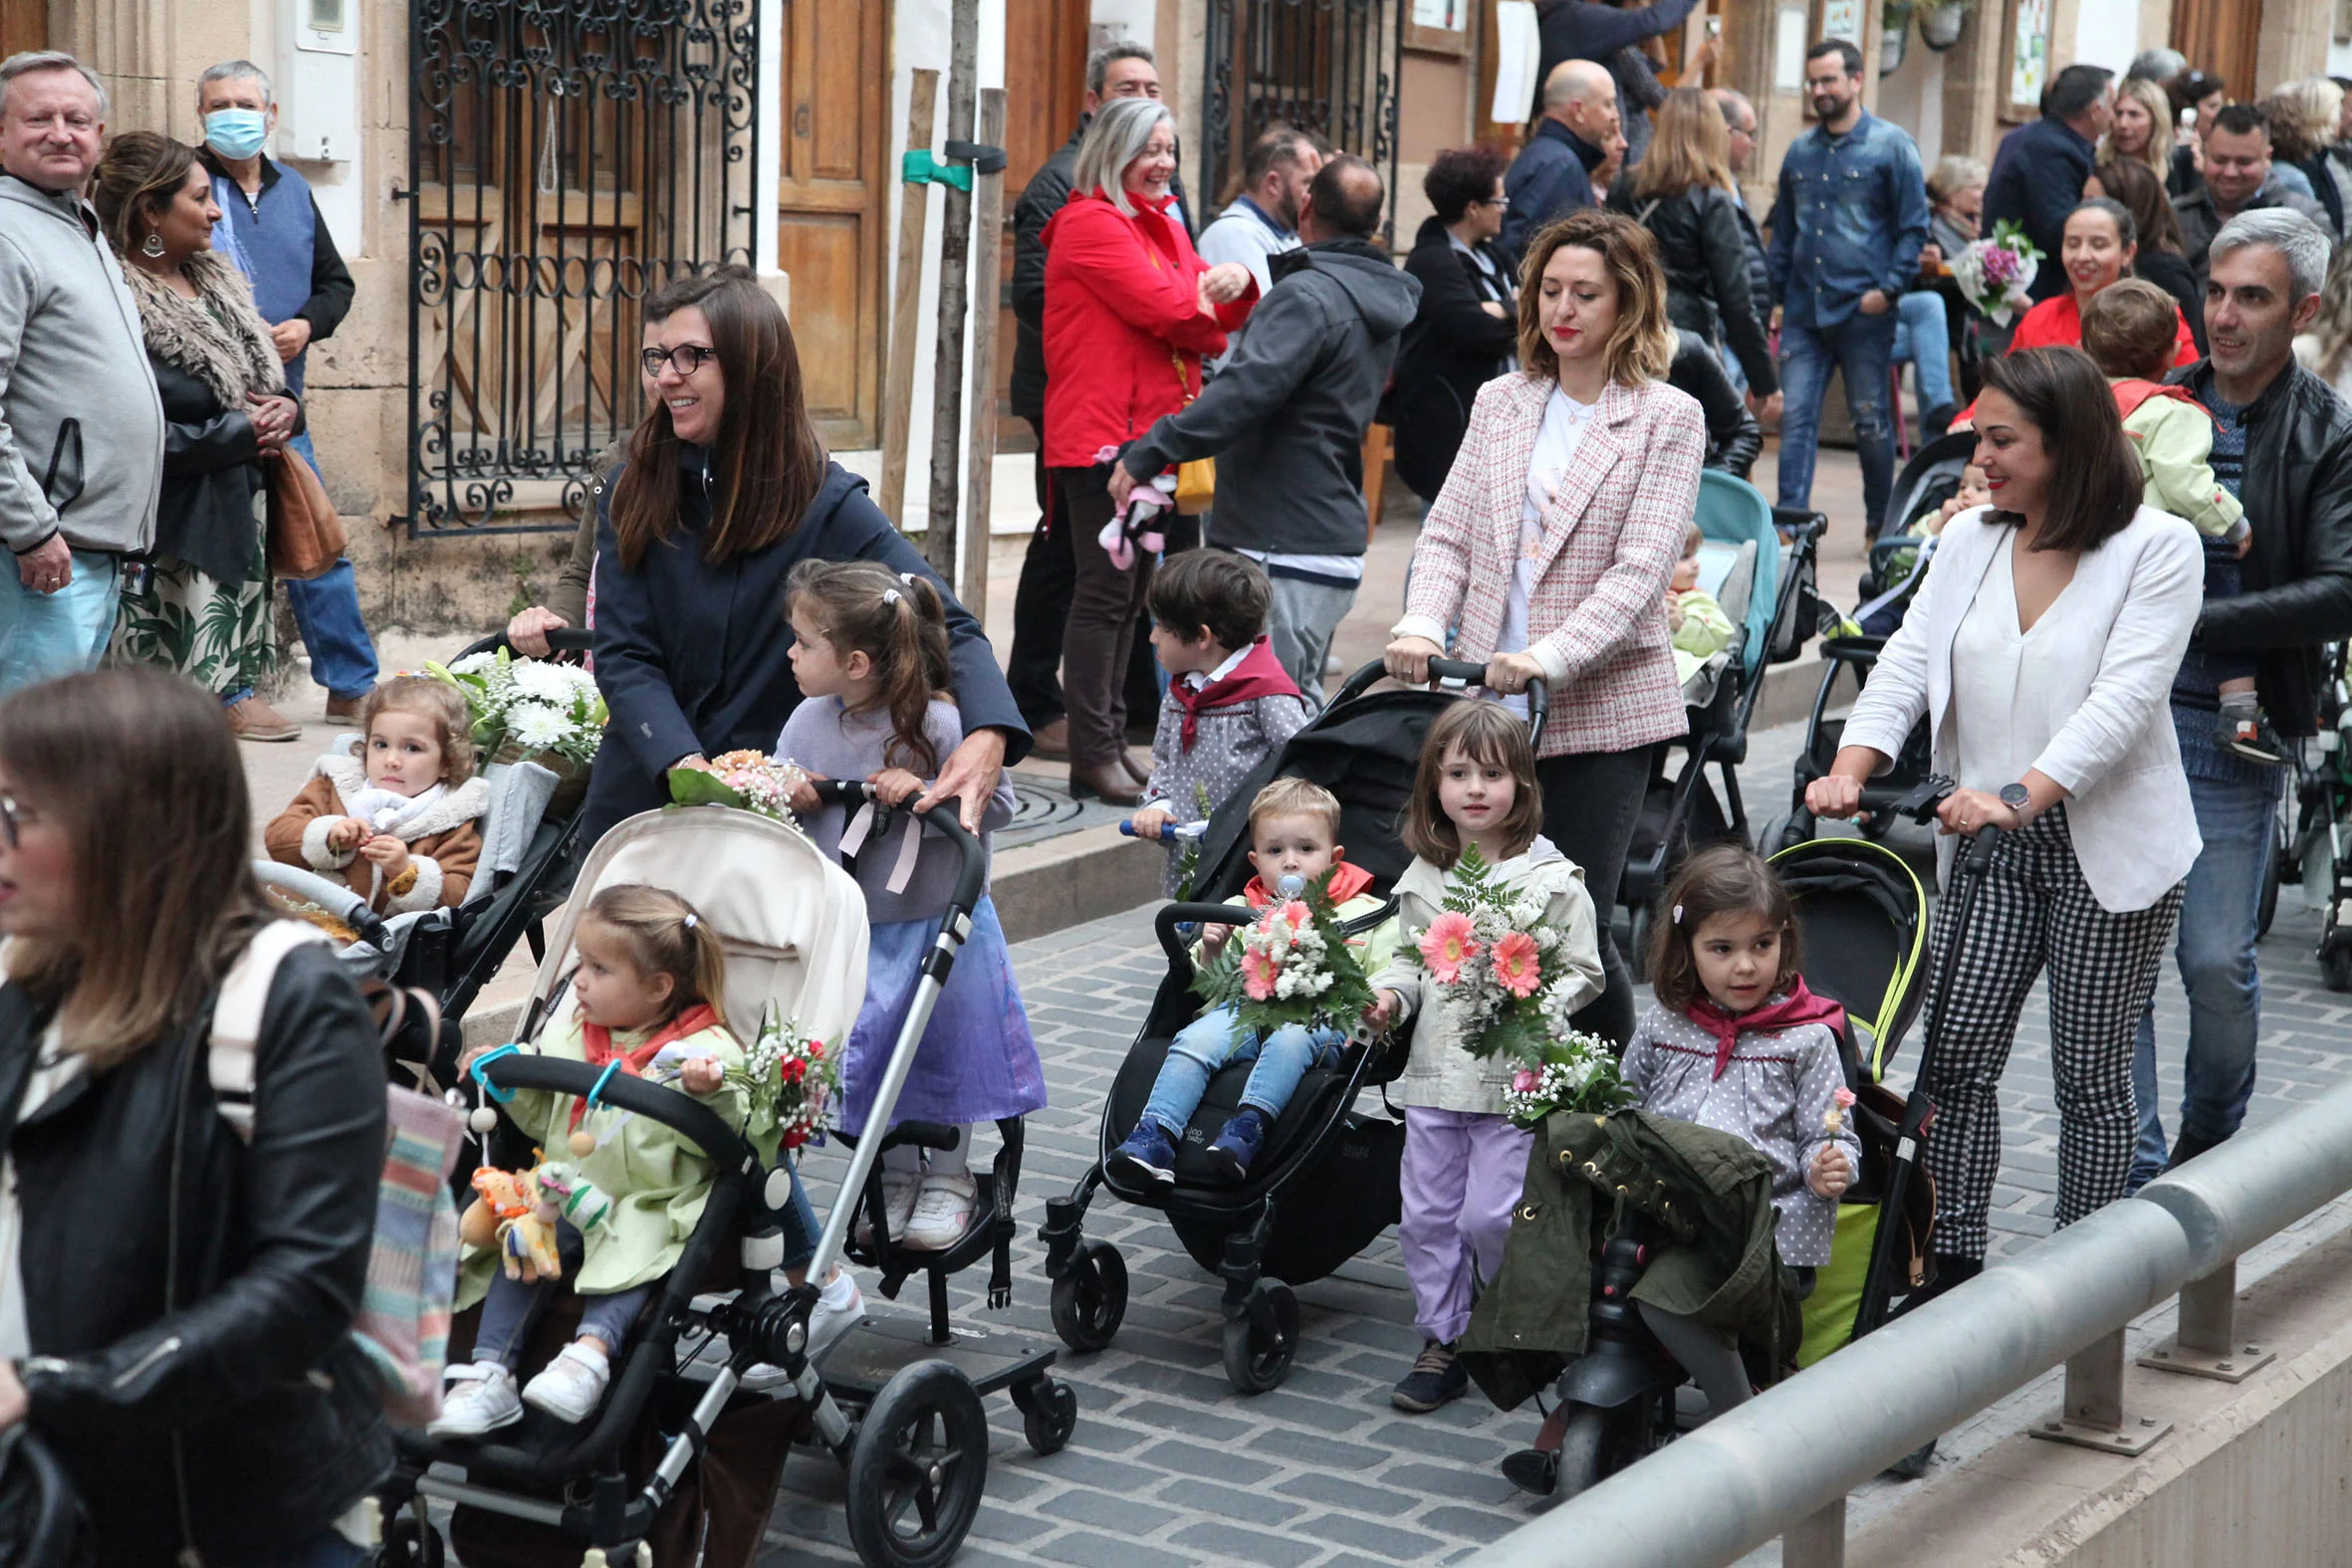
236 132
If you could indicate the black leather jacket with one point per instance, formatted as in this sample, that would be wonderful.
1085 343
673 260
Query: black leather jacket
212 468
2297 579
1704 250
189 1298
1733 438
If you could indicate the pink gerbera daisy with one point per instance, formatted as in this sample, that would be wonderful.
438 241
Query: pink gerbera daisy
1518 964
1450 941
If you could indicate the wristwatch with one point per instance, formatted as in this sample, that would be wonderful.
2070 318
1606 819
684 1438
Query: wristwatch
2017 796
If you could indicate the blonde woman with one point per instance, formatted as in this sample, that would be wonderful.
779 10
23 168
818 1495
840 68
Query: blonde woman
1682 192
2142 128
2303 119
2326 350
1551 543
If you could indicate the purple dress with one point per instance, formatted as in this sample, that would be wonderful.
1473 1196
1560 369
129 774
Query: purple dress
977 1062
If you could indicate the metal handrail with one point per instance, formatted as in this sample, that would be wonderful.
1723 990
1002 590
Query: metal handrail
1783 1463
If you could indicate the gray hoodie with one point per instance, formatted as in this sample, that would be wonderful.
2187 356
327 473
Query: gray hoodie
80 425
1286 417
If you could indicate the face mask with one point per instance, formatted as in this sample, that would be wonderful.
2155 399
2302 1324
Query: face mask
236 132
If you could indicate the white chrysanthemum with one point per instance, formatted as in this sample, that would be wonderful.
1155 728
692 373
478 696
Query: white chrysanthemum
475 664
537 726
544 683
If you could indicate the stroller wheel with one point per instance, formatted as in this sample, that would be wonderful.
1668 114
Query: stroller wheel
2335 967
1579 1453
1049 1414
1261 1344
409 1542
917 1469
1091 1299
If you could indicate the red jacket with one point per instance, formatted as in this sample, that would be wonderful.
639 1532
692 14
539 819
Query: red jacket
1122 296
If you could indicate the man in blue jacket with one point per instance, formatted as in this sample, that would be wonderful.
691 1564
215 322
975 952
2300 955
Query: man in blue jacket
303 291
1851 215
1552 174
2038 172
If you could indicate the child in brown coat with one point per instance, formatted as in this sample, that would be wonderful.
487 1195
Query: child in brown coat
400 821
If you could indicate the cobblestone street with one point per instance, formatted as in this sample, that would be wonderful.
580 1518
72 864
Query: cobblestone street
1170 1466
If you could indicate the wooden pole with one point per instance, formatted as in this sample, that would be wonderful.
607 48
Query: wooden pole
915 212
988 226
942 533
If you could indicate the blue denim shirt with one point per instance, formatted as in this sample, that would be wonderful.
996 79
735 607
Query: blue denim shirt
1851 216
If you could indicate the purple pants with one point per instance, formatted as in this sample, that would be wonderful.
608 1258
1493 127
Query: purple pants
1461 1174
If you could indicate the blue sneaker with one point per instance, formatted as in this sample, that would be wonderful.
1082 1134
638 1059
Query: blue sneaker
1149 1153
1230 1155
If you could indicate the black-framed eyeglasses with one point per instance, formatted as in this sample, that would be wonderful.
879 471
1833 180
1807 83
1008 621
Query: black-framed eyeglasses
689 358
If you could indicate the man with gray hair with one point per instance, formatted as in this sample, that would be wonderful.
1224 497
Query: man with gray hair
2157 65
2282 444
1552 174
279 239
80 425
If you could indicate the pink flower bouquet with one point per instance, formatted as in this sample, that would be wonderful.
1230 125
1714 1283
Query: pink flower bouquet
787 1082
1292 965
747 781
1493 959
1996 274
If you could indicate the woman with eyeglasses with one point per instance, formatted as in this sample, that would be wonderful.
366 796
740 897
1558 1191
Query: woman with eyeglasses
176 1292
1466 330
724 490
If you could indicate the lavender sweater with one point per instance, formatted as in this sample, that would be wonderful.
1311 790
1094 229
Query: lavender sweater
832 743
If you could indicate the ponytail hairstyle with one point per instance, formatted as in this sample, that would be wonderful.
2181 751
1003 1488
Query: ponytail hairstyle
900 624
662 935
1722 879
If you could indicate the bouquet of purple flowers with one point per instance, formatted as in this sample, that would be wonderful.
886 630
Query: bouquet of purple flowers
1996 273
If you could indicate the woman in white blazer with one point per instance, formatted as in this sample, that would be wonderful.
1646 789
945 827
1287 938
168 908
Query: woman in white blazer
2040 650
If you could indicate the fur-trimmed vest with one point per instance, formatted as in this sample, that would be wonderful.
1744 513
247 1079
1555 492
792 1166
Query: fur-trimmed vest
208 354
444 841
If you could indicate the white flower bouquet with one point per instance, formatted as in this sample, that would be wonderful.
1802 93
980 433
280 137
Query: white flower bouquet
1292 965
531 710
1578 1072
1996 274
1497 965
788 1082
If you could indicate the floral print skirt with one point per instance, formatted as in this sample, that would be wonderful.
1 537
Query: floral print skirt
217 634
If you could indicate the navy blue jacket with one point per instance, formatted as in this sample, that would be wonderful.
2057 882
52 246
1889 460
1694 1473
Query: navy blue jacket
1550 178
693 657
2037 178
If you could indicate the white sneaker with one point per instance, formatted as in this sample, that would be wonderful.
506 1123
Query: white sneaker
898 1205
481 1399
572 1386
840 1307
943 1211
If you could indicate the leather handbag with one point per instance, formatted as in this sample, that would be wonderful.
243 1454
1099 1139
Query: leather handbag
306 536
1196 480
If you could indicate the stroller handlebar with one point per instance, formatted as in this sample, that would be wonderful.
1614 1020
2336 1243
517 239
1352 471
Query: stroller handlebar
1173 914
971 877
684 1115
1452 672
560 639
335 898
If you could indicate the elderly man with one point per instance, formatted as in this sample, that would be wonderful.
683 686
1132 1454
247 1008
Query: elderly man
2038 171
1552 174
80 425
2238 179
304 291
1286 420
1048 572
2282 444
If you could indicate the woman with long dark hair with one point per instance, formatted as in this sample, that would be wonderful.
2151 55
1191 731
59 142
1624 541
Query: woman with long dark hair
2040 651
2159 257
724 489
1466 329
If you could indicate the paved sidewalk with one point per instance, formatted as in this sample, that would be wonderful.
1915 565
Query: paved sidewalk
1170 1466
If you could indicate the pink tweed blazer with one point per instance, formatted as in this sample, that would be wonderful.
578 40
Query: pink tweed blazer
1611 538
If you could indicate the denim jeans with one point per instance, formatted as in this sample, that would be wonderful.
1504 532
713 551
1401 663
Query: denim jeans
43 636
2234 802
1211 1041
327 611
800 1228
1922 339
1861 349
513 1305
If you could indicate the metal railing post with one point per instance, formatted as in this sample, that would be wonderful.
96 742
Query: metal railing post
1817 1540
2092 1415
2206 1345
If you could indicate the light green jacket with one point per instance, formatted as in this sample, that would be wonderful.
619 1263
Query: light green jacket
657 1181
2174 442
1704 632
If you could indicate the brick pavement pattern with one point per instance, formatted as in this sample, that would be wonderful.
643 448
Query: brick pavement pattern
1170 1466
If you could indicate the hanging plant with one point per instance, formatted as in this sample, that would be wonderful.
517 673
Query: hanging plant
1939 24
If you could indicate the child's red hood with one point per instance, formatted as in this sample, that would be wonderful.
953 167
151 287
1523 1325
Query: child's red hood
1346 882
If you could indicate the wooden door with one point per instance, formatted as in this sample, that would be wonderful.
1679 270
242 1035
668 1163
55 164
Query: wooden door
24 26
831 209
1046 71
2222 36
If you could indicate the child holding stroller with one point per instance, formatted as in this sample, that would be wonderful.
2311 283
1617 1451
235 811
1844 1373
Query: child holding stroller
2172 436
1294 831
399 822
651 989
1736 1043
870 654
1463 1160
1230 701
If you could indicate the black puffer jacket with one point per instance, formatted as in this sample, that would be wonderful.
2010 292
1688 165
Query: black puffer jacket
189 1298
1733 438
1703 250
1454 347
2298 494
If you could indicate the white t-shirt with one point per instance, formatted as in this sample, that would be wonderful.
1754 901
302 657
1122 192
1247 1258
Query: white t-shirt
2001 721
1555 448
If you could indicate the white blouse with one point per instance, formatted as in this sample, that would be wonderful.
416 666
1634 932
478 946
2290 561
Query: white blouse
1556 442
2001 721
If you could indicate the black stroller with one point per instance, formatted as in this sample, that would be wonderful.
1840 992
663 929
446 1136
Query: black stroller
1324 1186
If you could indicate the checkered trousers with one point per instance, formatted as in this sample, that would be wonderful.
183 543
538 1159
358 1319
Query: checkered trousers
2034 910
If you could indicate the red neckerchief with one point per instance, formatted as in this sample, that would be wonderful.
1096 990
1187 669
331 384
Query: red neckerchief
598 1042
2131 392
1799 1006
1260 674
1347 881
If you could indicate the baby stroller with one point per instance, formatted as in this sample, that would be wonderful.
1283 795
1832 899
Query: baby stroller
530 850
906 1420
1324 1186
1765 588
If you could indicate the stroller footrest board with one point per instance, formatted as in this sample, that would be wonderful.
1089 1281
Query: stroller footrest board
871 1354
